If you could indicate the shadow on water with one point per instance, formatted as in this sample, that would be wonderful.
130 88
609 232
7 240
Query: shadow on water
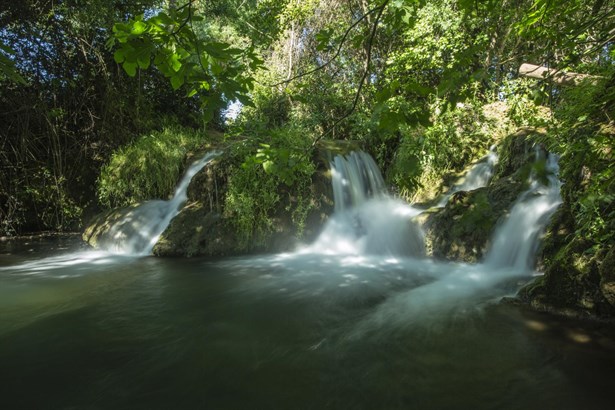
322 328
283 331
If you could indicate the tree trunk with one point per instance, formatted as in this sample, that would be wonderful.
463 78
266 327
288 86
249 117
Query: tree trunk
556 76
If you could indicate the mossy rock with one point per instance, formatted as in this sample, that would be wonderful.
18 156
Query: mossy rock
196 231
575 283
460 231
517 154
205 228
100 224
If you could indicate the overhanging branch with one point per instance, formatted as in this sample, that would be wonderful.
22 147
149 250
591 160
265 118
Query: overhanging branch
378 9
368 62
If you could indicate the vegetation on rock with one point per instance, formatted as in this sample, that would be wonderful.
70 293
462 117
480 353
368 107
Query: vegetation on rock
103 103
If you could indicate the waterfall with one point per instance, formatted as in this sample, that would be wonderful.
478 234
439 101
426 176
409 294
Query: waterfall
366 219
516 240
139 229
355 179
478 176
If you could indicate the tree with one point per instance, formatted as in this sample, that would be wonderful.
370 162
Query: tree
213 70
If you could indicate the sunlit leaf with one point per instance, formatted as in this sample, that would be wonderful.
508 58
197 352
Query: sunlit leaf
175 62
138 28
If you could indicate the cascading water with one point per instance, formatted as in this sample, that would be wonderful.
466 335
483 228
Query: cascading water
516 240
457 287
355 179
478 176
344 331
366 219
140 228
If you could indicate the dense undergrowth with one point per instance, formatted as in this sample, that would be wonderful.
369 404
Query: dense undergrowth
425 87
265 176
150 167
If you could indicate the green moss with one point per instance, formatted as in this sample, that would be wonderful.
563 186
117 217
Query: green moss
266 180
148 168
461 231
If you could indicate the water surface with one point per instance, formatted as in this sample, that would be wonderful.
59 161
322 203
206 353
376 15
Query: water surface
90 330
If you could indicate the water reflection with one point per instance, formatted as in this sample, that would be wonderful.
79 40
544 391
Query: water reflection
66 265
286 331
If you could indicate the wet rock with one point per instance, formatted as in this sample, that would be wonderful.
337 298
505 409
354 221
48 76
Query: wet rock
607 276
100 225
204 228
196 230
462 229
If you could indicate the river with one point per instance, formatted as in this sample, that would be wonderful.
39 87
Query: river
82 329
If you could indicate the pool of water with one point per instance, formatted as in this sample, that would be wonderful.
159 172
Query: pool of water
89 330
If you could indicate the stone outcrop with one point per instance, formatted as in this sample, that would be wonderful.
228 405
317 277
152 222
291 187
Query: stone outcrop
576 283
461 231
202 228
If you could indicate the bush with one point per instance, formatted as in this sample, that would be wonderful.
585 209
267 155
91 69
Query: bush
425 155
270 171
148 168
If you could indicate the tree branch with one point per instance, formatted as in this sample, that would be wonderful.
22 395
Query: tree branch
339 47
368 62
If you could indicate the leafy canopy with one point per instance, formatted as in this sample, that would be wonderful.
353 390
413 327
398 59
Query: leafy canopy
213 70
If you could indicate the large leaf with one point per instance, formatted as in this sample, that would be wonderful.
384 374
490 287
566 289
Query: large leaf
177 80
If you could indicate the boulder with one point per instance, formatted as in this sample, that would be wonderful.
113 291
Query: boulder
462 229
205 228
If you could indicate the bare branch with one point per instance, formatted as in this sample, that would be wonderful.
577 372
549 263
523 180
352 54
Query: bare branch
366 71
339 47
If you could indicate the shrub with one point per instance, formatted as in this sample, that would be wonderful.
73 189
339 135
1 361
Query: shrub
148 168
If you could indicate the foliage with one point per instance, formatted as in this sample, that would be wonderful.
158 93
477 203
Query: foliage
148 168
265 176
213 70
74 111
585 140
525 102
7 65
406 78
56 209
425 155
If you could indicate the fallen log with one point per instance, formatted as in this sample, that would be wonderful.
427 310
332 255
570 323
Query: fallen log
551 74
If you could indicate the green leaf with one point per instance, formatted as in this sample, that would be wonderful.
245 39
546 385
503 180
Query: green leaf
118 56
357 41
323 38
144 62
383 95
138 28
175 63
177 81
268 166
121 27
245 100
130 68
162 18
217 50
390 121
